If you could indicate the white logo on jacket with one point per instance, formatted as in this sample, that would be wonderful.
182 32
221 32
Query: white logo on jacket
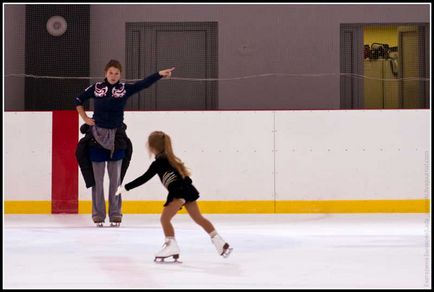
119 92
99 90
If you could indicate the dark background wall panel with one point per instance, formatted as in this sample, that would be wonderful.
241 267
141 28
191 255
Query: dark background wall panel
66 55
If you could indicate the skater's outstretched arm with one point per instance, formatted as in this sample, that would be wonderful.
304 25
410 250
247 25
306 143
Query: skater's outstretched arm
152 170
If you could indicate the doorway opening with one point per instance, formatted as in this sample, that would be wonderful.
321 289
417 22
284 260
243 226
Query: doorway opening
386 66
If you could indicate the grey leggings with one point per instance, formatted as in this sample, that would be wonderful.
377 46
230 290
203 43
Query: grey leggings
98 201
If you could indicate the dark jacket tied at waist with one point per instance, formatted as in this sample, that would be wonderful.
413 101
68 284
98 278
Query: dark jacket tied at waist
122 142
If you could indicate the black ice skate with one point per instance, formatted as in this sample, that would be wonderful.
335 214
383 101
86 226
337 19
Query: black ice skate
115 221
98 221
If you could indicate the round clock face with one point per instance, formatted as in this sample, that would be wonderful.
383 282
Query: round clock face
56 25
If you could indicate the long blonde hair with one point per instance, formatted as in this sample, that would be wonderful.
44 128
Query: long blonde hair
162 143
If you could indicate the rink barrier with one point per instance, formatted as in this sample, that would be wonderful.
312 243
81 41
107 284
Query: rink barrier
243 207
27 207
293 193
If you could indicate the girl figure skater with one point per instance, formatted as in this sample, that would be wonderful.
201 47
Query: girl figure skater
175 177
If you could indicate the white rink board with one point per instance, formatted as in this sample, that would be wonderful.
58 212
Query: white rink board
363 154
27 156
321 155
229 153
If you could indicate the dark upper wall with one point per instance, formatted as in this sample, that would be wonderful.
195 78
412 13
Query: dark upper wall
252 39
14 20
48 55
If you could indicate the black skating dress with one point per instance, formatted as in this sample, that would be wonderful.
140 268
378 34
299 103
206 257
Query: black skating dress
178 187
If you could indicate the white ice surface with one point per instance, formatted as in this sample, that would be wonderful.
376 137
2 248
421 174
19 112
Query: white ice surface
270 251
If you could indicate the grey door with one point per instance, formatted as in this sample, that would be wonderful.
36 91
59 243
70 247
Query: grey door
191 47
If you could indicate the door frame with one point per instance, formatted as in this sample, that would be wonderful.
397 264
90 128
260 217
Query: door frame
146 32
422 69
351 59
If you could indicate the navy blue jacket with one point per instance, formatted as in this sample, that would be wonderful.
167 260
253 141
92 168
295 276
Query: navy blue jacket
110 99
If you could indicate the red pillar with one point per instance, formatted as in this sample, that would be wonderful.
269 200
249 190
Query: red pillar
64 185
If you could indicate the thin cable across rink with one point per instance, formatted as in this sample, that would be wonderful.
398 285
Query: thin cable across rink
254 76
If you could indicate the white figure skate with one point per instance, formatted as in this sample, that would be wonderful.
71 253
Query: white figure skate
222 246
170 249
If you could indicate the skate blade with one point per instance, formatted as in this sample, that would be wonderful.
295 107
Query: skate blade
99 225
163 260
227 252
115 224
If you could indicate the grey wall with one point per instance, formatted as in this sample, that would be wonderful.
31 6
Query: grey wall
277 38
252 39
14 35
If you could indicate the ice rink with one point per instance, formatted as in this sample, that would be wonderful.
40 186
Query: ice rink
270 251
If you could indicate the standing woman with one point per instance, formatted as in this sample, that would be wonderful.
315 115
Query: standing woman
107 128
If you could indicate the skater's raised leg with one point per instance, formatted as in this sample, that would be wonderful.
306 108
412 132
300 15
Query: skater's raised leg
221 245
98 201
195 214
